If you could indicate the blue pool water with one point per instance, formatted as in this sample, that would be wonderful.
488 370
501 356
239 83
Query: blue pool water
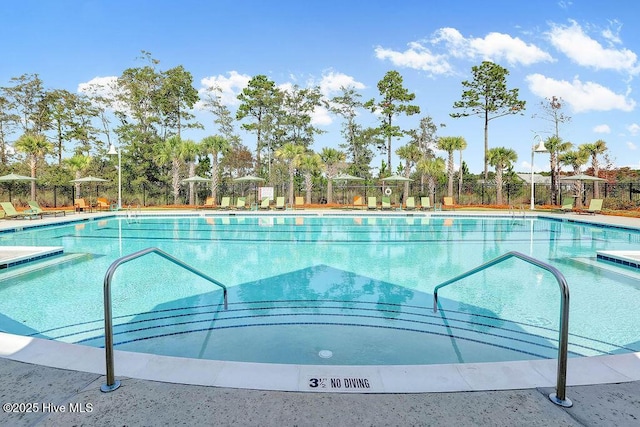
360 287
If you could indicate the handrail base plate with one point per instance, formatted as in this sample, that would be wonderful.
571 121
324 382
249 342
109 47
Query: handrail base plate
565 403
106 388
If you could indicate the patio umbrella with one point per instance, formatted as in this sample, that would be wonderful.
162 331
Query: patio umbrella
578 179
396 178
89 179
195 179
346 177
14 177
581 177
250 178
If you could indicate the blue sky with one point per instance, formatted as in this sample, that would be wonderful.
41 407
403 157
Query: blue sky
583 51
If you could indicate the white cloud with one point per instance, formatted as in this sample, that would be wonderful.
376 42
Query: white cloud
102 91
497 46
321 117
230 86
418 57
634 129
565 4
494 46
331 83
581 96
583 50
602 129
631 145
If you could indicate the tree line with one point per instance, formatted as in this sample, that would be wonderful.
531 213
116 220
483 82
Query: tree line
145 111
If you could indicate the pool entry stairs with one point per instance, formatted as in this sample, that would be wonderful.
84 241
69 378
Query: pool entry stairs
345 320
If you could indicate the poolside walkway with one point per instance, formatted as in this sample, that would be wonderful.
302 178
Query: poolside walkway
140 402
64 397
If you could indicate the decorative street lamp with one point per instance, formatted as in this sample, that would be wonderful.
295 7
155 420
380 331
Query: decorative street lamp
535 149
113 151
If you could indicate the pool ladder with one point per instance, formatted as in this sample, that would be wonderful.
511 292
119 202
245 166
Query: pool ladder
517 211
112 384
559 397
133 212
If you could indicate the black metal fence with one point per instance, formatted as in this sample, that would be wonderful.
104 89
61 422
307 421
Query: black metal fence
617 196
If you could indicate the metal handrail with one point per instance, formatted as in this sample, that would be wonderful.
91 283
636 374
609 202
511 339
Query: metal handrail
559 397
112 384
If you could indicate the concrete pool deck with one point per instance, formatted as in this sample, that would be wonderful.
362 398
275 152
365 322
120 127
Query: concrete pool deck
147 402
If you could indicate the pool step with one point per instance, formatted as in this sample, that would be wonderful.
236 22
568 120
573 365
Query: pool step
459 330
17 271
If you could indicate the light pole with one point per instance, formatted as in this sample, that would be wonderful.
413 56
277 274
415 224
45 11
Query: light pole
535 149
112 151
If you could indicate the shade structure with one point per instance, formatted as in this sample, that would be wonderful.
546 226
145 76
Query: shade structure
577 180
396 178
16 177
346 177
249 178
89 179
581 177
12 177
196 179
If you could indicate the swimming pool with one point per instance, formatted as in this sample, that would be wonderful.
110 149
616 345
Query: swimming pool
336 290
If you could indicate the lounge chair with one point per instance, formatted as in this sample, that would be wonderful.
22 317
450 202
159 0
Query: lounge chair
448 203
102 204
358 203
208 204
81 205
35 208
425 203
372 203
241 203
10 212
595 206
410 204
299 202
225 203
280 203
567 207
265 203
386 203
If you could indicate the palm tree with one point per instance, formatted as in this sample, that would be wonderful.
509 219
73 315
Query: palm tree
593 150
215 145
450 144
169 152
555 145
433 169
310 164
291 154
332 160
460 170
77 164
575 159
188 151
502 158
36 147
411 154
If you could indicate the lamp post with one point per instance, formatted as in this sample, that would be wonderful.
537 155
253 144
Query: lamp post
535 149
113 151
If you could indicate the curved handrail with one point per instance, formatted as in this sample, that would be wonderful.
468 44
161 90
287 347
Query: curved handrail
559 397
112 384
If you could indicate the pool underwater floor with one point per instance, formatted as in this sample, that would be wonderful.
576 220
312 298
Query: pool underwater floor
142 399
